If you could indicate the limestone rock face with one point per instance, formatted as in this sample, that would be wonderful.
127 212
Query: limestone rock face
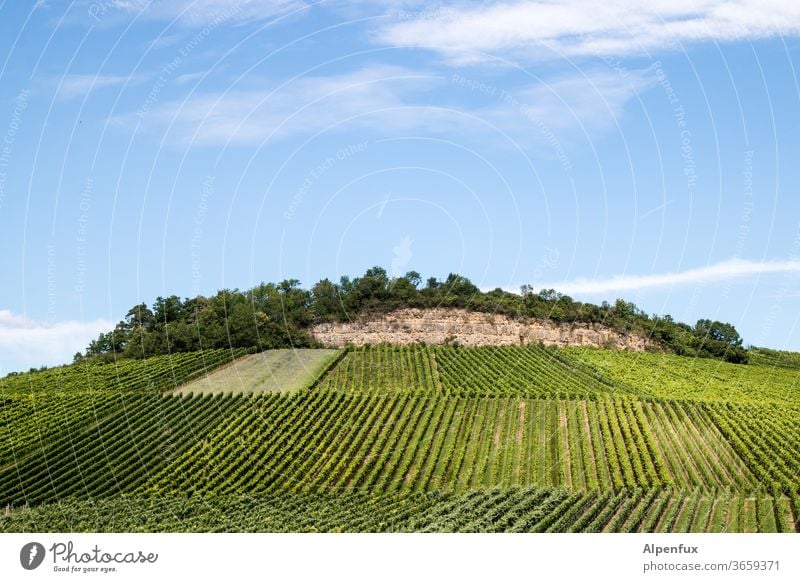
470 328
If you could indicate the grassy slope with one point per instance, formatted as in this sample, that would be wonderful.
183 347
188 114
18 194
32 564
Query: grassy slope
282 370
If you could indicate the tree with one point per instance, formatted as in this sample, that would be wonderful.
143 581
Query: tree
326 301
403 292
372 288
242 326
460 286
549 295
719 340
141 316
716 330
414 278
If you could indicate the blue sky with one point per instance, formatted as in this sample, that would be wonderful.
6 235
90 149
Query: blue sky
639 150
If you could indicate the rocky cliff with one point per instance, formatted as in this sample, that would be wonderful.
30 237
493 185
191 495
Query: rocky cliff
470 328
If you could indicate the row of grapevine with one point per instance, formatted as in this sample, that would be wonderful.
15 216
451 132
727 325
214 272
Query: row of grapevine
694 452
31 422
139 435
384 369
767 438
409 438
159 373
326 440
495 510
532 371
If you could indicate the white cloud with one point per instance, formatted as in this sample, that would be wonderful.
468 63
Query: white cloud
74 86
189 77
164 41
366 97
396 99
591 99
575 28
26 343
726 270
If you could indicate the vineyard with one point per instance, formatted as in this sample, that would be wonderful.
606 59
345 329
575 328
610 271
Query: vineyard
482 510
159 373
40 410
402 438
765 380
423 443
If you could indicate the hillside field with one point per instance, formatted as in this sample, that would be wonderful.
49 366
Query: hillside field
280 370
411 438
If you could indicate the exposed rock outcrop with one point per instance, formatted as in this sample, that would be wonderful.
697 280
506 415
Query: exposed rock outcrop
470 328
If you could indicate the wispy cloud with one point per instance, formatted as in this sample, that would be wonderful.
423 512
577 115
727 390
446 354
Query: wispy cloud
26 343
304 106
726 270
396 99
75 86
575 28
591 100
164 41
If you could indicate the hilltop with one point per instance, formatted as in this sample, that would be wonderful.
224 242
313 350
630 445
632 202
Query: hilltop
281 315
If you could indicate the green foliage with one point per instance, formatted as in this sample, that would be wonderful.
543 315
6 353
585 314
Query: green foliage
384 369
518 370
774 358
514 509
412 438
681 377
267 316
126 442
718 340
278 315
94 375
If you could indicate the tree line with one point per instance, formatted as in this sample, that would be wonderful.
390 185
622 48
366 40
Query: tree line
274 315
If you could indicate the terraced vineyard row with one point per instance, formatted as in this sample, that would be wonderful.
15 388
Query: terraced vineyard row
138 435
508 510
507 371
767 438
422 443
39 409
33 422
385 369
524 370
159 373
